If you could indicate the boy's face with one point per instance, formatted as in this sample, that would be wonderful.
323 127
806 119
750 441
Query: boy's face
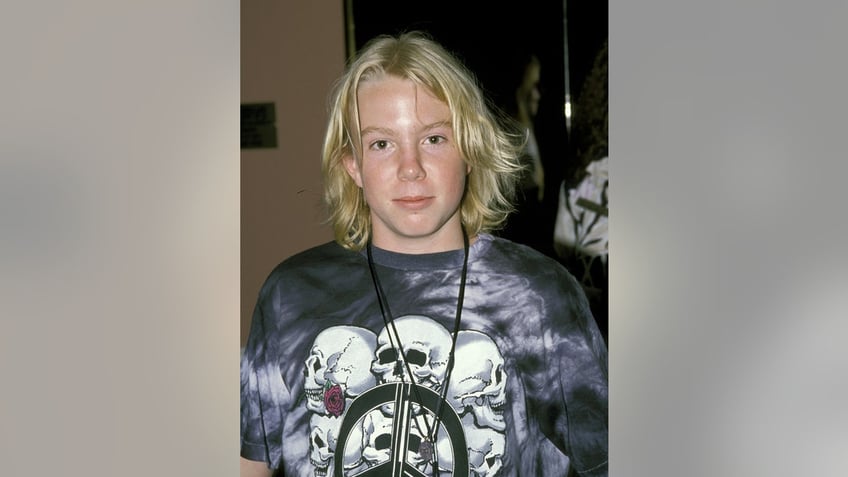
411 170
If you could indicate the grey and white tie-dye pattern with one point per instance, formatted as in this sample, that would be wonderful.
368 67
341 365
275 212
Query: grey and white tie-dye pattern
528 391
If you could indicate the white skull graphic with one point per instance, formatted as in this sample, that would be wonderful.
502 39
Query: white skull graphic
322 444
426 346
376 438
339 356
478 380
485 451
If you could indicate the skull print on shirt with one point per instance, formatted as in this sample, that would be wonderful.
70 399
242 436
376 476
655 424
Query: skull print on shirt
415 349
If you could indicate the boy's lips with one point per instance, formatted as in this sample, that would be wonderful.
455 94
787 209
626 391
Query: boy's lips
414 202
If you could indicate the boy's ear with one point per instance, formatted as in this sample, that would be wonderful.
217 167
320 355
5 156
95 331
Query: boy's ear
352 167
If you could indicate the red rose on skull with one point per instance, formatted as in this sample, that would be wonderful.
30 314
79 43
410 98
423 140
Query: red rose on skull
334 400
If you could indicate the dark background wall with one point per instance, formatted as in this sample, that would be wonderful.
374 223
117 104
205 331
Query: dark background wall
290 54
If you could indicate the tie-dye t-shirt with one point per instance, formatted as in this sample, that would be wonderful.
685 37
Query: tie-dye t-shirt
326 384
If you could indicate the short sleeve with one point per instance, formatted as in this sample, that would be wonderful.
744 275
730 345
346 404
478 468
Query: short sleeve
579 357
262 388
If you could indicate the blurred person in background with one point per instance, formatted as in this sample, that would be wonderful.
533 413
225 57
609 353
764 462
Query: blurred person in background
581 237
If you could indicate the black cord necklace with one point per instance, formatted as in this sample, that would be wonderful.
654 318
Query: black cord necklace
427 449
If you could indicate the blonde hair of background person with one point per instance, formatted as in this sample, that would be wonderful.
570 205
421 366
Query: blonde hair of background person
489 149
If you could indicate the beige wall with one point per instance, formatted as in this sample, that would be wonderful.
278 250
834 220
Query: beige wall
291 52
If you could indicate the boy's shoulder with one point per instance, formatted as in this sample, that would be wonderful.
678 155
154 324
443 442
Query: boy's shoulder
329 257
522 256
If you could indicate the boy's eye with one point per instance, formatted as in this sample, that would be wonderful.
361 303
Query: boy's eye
379 144
435 139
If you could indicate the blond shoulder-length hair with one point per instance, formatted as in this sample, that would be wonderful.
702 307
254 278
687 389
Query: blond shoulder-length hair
485 138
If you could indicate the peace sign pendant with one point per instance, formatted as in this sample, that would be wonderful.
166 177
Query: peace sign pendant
425 450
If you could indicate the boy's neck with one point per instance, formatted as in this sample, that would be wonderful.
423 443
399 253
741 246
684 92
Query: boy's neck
423 245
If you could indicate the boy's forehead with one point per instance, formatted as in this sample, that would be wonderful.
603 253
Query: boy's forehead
377 80
390 96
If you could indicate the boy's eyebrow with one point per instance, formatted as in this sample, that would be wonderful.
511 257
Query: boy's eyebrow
438 124
389 131
375 129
